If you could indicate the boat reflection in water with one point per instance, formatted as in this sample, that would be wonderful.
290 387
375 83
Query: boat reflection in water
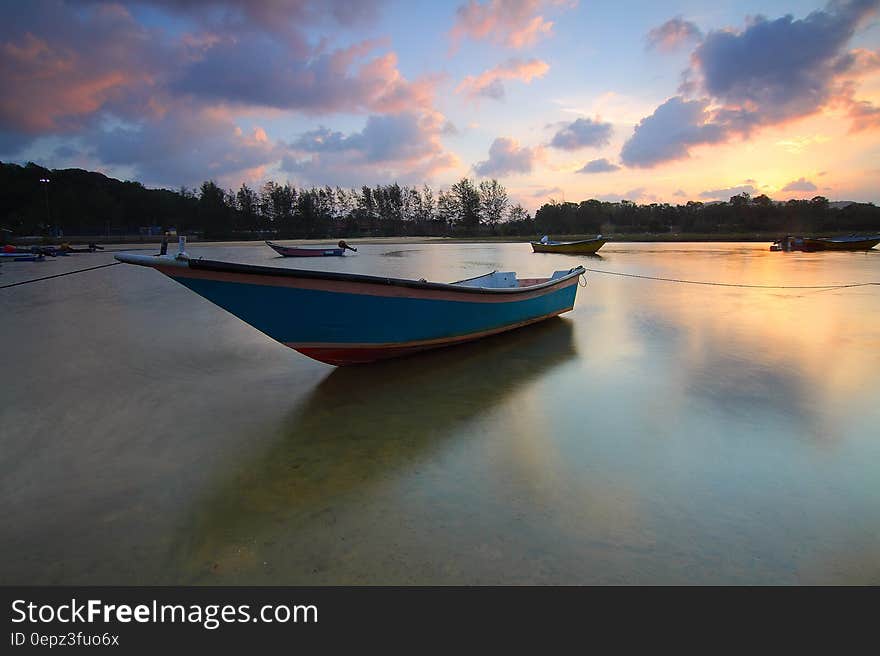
319 498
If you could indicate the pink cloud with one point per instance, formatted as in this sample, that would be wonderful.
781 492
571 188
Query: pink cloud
489 83
512 23
61 79
864 115
860 61
673 34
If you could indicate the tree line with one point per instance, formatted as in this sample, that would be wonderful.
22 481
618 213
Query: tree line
83 203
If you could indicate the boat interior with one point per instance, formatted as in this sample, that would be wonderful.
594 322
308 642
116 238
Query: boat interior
505 280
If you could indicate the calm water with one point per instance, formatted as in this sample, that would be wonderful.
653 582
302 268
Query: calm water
659 433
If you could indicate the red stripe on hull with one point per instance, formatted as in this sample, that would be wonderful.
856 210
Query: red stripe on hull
366 288
365 353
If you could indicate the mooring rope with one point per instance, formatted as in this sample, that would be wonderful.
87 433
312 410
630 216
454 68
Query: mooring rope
731 284
607 273
59 275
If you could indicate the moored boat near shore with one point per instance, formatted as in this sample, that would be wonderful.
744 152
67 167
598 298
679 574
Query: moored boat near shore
582 247
310 251
342 318
850 243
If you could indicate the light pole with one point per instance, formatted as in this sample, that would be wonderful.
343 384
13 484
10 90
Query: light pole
45 183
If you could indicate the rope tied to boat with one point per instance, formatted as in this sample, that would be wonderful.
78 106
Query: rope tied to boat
731 284
58 275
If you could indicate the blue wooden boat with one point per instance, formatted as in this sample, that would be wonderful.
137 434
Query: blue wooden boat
342 318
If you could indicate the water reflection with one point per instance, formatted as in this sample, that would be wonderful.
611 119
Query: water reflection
360 428
657 433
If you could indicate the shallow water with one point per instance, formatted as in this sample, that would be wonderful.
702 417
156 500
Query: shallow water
658 433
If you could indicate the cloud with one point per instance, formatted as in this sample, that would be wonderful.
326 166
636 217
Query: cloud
669 132
163 98
185 147
544 193
275 16
384 138
488 83
726 193
768 73
673 34
512 23
859 62
506 157
801 184
260 72
864 115
777 70
680 193
582 133
401 146
598 166
65 66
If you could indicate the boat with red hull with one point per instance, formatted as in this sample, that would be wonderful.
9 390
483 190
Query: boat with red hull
342 318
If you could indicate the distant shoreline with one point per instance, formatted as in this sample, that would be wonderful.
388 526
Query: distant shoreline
759 237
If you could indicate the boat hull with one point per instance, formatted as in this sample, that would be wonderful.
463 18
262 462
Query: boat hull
586 247
301 251
839 245
810 244
347 319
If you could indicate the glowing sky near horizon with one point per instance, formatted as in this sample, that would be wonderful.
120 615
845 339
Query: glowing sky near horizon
652 102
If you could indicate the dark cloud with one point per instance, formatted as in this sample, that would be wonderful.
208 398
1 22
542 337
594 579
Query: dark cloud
770 72
185 147
801 184
582 133
67 66
673 34
65 152
669 132
775 70
261 72
506 156
12 143
724 194
277 16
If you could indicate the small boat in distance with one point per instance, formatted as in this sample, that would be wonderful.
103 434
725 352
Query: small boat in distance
22 257
310 251
342 318
582 247
809 244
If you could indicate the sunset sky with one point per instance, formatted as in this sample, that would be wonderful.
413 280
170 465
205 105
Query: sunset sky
648 101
